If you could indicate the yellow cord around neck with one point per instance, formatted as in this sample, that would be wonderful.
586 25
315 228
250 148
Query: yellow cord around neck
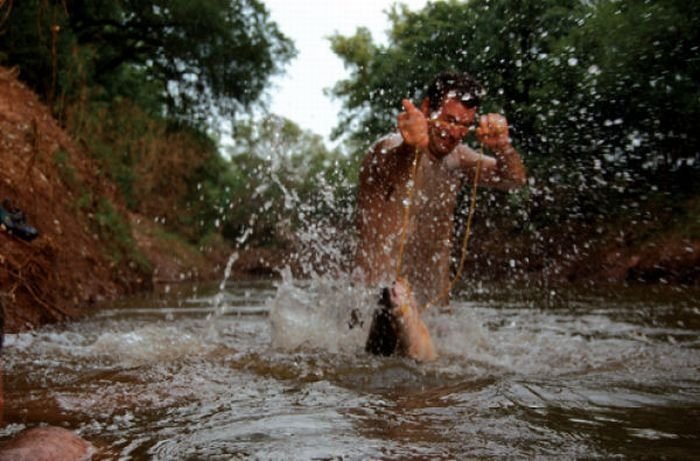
467 232
407 210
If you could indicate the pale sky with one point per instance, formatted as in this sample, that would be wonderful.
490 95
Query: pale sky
298 95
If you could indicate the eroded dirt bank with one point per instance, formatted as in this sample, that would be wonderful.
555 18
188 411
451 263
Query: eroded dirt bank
89 248
58 188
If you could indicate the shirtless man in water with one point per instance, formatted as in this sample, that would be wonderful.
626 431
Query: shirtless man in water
434 131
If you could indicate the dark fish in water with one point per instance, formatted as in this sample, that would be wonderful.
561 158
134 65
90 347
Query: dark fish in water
382 337
397 327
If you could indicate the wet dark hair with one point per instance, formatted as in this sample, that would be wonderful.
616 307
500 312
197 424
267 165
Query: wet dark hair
464 86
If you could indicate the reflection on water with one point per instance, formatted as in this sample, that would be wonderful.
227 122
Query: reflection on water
274 372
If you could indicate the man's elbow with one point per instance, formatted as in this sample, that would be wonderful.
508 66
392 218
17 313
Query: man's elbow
519 180
513 181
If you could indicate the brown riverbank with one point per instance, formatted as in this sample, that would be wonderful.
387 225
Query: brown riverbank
90 249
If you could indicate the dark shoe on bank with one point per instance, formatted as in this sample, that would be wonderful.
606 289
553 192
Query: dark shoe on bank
13 221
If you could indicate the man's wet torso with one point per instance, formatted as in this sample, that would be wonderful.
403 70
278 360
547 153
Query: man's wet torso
384 194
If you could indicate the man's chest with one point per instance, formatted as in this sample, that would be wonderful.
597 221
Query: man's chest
436 187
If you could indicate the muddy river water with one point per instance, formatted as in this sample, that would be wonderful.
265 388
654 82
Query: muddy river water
265 370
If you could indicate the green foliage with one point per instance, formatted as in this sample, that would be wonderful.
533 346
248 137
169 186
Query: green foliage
65 169
638 69
170 172
282 178
105 221
138 82
199 56
115 232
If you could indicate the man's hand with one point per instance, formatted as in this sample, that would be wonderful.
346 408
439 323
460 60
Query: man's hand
413 125
493 131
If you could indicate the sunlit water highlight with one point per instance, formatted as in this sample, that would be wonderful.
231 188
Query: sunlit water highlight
274 372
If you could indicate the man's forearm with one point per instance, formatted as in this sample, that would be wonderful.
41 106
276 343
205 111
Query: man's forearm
509 167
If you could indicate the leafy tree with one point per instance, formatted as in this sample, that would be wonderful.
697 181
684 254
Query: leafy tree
200 54
289 184
634 90
139 81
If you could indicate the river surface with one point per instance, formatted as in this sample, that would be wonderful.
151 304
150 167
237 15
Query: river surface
272 371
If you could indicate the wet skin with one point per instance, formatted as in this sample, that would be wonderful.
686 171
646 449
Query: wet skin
48 443
397 327
444 164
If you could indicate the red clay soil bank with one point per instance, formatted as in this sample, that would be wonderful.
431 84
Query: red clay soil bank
50 278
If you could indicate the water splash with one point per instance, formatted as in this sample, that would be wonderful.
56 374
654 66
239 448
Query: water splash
311 223
316 314
145 345
508 370
219 307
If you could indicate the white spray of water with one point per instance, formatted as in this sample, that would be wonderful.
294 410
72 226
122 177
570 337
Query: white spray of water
219 308
314 312
317 314
148 344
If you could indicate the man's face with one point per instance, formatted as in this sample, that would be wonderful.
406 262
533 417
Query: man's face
449 125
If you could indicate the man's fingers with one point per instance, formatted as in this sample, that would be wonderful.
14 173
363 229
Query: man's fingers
413 125
493 125
484 122
408 105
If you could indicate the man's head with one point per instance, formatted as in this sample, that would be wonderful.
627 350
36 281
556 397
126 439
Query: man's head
455 85
450 103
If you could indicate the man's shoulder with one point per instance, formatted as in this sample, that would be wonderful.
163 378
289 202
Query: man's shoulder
387 142
463 149
381 152
460 153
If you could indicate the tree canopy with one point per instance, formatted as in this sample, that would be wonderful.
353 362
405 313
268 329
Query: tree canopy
287 179
188 56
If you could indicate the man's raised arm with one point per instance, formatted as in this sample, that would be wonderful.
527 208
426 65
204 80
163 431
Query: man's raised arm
504 169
